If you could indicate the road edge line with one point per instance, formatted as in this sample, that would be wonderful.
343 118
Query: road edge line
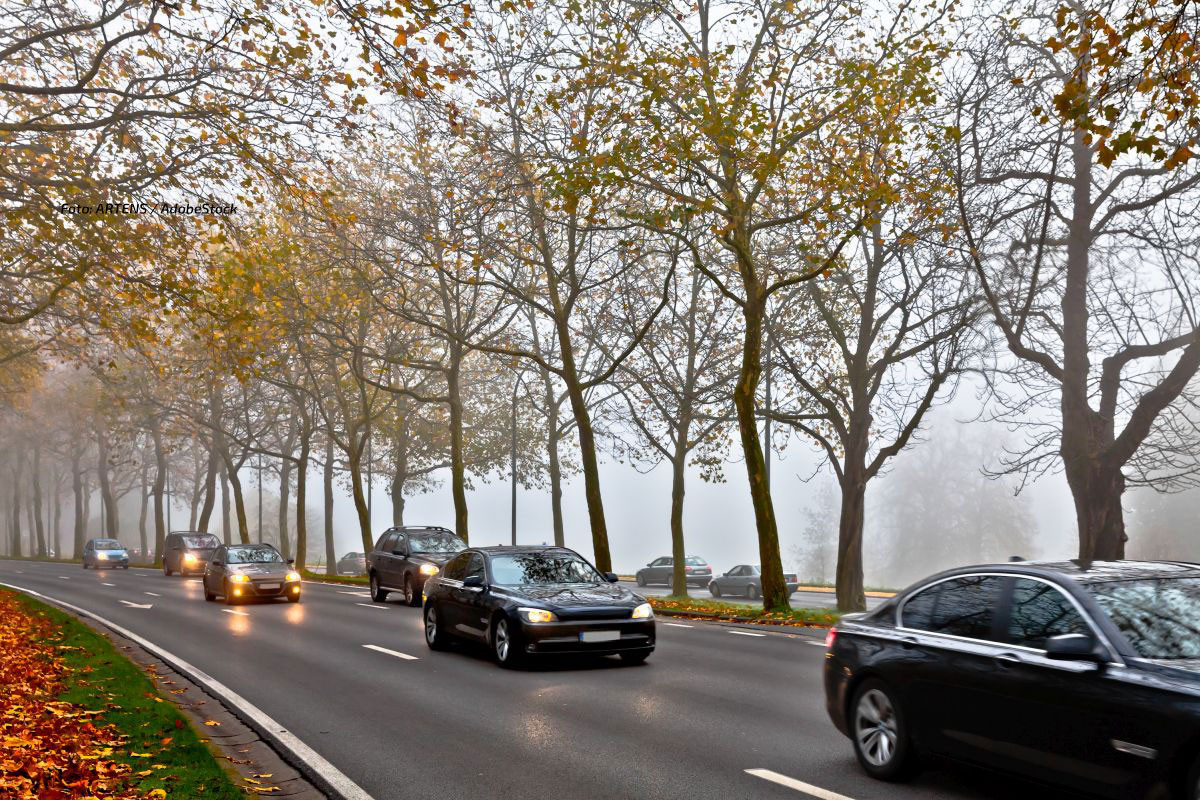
325 775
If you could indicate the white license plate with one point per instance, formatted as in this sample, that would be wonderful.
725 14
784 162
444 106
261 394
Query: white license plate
599 636
268 586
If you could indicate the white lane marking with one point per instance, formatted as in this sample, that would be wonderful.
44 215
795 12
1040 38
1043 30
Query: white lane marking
152 594
327 773
64 577
678 625
107 584
815 644
231 611
356 594
799 786
747 633
395 653
137 605
370 605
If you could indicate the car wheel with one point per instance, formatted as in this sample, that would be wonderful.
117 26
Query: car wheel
504 645
879 732
209 596
641 580
166 569
434 637
633 659
377 594
752 591
229 598
412 597
714 590
293 598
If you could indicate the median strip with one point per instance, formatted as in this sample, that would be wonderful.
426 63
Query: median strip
395 653
799 786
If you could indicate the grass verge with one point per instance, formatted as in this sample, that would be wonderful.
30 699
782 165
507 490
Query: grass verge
163 752
355 580
733 612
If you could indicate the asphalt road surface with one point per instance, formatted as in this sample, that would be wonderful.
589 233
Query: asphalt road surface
798 599
712 703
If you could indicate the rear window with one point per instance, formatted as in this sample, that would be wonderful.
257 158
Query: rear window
207 542
692 561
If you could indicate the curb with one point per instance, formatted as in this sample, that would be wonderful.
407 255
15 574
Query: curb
303 758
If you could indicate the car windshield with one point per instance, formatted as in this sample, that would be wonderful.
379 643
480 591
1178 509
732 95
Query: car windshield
695 562
108 544
201 542
254 555
435 543
541 569
1160 617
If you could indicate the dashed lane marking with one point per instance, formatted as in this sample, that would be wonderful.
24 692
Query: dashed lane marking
678 625
747 633
799 786
356 594
152 594
63 577
107 584
231 611
370 605
395 653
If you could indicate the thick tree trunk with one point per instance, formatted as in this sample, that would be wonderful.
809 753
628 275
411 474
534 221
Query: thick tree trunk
80 512
775 597
330 558
554 466
111 519
849 579
301 493
239 502
354 459
226 519
15 529
400 475
285 480
678 551
56 512
210 483
145 492
160 482
36 506
458 476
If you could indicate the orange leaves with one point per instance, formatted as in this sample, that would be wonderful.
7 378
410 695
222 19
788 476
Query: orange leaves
49 750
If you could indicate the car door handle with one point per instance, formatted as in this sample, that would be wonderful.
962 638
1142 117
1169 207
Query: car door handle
1008 659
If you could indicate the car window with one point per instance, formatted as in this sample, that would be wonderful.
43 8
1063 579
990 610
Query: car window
659 562
107 544
1160 617
695 562
253 554
737 571
200 542
457 567
528 569
1040 611
474 567
957 607
436 542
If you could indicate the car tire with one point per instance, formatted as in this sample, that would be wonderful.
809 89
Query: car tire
714 590
230 600
412 595
504 645
641 580
377 594
166 569
879 732
435 637
752 591
209 596
293 598
633 659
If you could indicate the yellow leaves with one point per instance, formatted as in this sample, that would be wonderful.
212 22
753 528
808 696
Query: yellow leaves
212 723
157 794
141 755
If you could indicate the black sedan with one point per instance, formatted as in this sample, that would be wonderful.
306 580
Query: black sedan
746 579
1084 676
526 601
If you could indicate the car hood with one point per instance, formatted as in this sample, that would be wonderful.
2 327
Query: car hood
588 595
260 570
433 558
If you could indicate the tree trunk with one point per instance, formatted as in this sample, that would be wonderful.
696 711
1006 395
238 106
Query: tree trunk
215 451
400 475
160 481
15 529
36 506
554 465
80 512
853 484
330 558
458 480
774 589
57 514
239 502
354 458
111 520
285 480
226 520
145 490
301 492
678 552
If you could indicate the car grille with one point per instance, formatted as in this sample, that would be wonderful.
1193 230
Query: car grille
594 613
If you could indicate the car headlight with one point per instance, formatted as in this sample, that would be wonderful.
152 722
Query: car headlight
293 576
188 557
102 556
644 611
429 569
239 579
536 615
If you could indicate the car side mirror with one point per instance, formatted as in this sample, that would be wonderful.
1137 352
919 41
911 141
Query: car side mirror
474 582
291 561
1073 647
611 577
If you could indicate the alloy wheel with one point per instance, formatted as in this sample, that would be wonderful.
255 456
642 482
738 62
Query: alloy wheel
501 640
431 625
875 727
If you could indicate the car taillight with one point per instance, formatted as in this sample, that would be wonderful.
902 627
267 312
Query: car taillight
689 569
830 638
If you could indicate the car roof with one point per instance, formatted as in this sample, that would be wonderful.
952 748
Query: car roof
1096 571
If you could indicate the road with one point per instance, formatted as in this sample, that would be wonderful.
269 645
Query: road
799 599
712 702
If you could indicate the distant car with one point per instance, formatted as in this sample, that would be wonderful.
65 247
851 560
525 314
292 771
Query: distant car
527 601
99 553
187 552
697 572
746 580
405 557
1080 675
248 571
352 564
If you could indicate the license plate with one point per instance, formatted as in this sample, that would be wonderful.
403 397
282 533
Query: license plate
599 636
268 586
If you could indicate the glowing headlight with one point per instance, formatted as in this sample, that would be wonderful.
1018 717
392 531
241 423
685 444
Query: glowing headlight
644 611
537 615
188 557
239 579
293 576
429 569
102 556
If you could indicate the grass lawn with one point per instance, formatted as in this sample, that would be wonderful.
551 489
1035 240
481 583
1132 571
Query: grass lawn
161 747
357 580
823 617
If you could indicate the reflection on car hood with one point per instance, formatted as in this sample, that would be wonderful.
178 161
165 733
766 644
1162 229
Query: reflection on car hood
434 558
578 595
260 570
1190 664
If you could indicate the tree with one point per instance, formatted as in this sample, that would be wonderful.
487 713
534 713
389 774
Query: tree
1059 191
